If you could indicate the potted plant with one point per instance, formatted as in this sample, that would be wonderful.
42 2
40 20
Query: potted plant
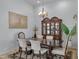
69 33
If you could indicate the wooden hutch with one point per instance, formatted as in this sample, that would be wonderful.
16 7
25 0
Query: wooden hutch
52 27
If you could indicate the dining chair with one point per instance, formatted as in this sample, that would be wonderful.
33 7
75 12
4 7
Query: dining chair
61 52
37 50
22 44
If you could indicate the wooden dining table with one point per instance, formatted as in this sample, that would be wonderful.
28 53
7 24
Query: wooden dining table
43 45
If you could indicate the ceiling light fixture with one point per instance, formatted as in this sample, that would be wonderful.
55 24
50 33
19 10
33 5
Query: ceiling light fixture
43 12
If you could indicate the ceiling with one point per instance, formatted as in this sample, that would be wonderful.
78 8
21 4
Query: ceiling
34 2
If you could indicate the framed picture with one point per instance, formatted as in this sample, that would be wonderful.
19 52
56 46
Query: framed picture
17 20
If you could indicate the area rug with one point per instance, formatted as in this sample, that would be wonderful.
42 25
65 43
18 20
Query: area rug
11 55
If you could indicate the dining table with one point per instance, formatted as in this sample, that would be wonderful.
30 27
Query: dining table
43 45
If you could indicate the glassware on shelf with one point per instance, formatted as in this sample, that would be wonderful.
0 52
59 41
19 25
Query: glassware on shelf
48 32
52 28
56 23
57 32
48 24
57 26
52 32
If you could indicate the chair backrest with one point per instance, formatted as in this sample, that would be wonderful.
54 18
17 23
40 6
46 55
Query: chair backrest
21 40
35 45
22 43
21 35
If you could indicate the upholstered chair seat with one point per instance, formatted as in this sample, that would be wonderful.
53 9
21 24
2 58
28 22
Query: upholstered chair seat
59 51
62 52
37 50
42 51
23 44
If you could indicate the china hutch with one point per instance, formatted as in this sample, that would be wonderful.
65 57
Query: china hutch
52 27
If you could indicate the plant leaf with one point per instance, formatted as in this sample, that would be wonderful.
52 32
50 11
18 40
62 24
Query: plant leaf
73 31
64 28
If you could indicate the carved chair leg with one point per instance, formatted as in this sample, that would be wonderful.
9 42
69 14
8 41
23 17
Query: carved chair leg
53 56
14 56
65 57
26 53
37 56
46 55
32 54
59 57
20 54
40 54
56 56
43 56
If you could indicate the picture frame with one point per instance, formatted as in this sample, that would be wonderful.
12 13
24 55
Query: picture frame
17 20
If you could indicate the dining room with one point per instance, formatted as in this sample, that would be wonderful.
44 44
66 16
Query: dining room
39 29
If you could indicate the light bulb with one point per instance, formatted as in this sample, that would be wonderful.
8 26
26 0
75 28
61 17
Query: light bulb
39 13
38 1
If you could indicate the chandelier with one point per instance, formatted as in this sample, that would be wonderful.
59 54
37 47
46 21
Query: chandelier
43 13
